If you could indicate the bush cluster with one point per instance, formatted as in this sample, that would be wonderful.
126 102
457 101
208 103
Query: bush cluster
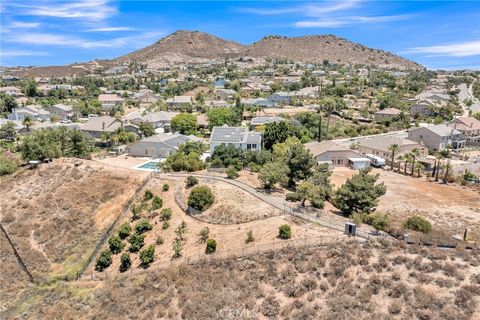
201 198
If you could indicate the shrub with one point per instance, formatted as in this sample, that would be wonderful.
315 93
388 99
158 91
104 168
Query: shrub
7 166
104 260
292 196
378 220
157 203
159 241
125 230
125 262
357 218
418 223
137 210
191 181
136 242
165 225
250 237
177 248
166 214
284 231
143 226
204 234
116 244
232 172
201 198
317 202
148 195
211 246
147 256
166 187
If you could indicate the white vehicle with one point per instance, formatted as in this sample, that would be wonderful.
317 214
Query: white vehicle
376 161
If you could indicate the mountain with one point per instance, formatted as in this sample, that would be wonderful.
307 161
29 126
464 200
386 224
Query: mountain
324 47
183 46
195 46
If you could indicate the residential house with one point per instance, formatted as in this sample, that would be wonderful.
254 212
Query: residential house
33 112
220 83
379 146
257 102
261 121
424 108
158 119
469 127
179 101
146 97
97 126
227 94
280 97
11 91
63 112
386 114
239 137
158 146
437 137
336 155
109 100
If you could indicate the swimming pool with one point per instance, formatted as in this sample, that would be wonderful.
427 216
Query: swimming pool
150 166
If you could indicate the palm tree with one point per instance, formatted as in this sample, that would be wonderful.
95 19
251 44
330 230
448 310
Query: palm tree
414 153
448 166
408 159
400 158
419 167
329 105
393 148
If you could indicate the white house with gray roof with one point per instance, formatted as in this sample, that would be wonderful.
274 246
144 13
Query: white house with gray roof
239 137
31 111
158 119
437 137
62 111
158 146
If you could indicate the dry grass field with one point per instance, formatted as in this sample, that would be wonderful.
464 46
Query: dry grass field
365 281
56 214
450 208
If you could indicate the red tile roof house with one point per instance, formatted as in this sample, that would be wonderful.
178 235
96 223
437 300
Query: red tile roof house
469 127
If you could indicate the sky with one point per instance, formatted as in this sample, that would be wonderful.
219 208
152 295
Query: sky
437 34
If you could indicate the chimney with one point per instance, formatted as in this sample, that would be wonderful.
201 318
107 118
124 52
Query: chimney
471 124
103 125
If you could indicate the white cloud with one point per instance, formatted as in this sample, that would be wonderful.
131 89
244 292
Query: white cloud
112 29
308 10
19 24
24 53
464 49
87 10
347 20
51 39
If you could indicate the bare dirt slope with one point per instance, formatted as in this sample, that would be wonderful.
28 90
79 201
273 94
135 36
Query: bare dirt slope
57 213
370 281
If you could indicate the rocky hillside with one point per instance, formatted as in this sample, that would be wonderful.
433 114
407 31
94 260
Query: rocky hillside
325 47
183 46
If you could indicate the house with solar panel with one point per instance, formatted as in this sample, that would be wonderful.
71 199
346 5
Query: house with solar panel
239 137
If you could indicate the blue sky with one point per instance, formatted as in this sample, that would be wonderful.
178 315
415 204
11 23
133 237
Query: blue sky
437 34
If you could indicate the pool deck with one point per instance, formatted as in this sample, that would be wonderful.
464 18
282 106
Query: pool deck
125 162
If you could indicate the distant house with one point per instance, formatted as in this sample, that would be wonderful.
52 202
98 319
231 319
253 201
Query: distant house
11 91
220 83
386 114
328 152
96 126
61 111
158 119
227 94
425 108
469 127
379 146
31 111
239 137
159 145
179 101
146 97
257 102
280 97
261 121
109 100
437 137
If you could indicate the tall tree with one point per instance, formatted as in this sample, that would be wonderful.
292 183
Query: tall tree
27 122
220 116
414 154
185 123
393 148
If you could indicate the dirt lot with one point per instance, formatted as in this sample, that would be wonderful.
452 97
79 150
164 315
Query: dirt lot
55 214
451 208
233 205
229 237
370 281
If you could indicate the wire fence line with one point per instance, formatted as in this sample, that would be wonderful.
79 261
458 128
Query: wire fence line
229 254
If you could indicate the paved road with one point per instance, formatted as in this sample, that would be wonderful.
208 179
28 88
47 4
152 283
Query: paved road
466 93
